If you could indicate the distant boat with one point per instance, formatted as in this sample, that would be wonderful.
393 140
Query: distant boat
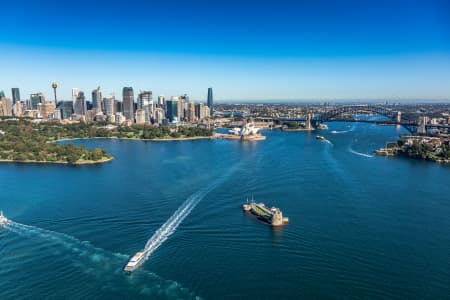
323 126
319 137
3 219
334 131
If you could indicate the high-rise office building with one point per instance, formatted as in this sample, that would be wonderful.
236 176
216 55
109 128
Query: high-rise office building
128 103
172 110
199 111
66 110
2 94
97 99
145 102
109 104
158 115
74 94
191 112
210 101
15 95
79 106
35 99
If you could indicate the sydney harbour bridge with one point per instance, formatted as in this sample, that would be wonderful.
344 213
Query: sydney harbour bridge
381 114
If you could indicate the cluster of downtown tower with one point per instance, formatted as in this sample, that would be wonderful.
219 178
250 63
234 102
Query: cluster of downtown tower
162 111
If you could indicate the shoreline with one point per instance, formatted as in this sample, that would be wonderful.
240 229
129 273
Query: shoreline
139 139
60 162
298 129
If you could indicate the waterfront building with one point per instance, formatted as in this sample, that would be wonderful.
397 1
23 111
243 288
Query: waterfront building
141 116
15 95
35 99
172 109
97 99
210 101
2 94
79 106
74 94
145 102
5 106
128 103
66 108
109 104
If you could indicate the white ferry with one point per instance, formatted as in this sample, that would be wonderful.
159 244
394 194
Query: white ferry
3 219
134 262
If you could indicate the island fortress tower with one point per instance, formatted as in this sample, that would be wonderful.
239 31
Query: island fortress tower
277 217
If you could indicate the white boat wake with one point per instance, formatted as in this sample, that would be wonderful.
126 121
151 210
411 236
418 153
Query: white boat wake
359 153
328 141
104 266
171 225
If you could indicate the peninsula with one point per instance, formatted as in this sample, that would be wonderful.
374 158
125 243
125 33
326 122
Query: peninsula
428 148
24 140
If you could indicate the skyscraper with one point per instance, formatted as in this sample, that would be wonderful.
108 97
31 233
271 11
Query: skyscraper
15 95
172 110
110 105
145 102
66 110
97 99
128 103
210 102
35 99
79 106
74 94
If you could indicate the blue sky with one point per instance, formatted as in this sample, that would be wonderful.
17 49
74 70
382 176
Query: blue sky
245 50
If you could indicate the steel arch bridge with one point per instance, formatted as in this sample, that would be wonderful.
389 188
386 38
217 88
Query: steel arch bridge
339 113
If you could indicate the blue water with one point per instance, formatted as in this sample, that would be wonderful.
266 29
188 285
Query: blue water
361 227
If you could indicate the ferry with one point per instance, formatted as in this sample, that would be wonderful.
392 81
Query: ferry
320 137
3 219
273 216
134 262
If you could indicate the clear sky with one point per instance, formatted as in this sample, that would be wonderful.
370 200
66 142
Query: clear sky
245 50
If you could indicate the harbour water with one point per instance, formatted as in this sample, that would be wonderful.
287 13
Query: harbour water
361 226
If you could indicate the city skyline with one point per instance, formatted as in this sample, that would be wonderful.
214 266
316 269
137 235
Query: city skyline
392 50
